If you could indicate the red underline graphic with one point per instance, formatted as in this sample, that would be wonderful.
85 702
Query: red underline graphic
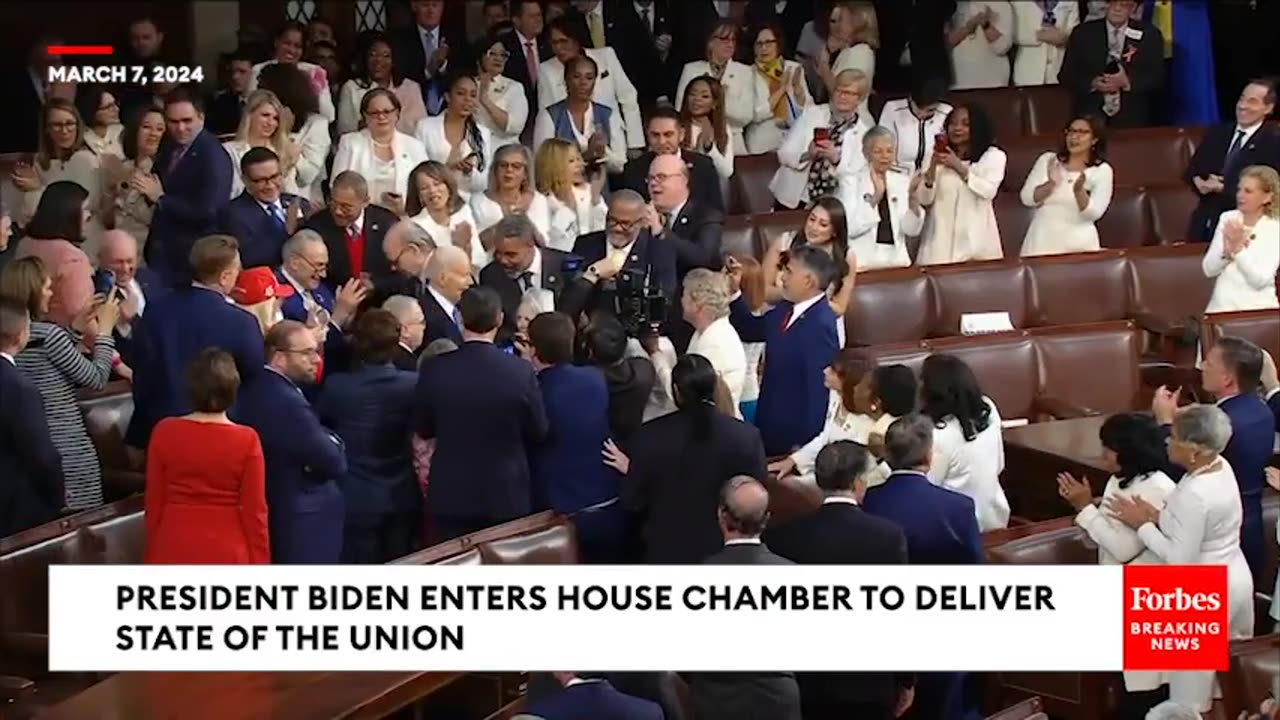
81 50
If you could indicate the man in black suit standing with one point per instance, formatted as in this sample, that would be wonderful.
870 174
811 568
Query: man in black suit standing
666 137
25 90
226 106
353 230
31 491
1115 67
428 50
520 266
840 533
744 512
1214 170
484 409
527 47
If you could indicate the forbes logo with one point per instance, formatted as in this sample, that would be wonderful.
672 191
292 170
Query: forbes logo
1176 617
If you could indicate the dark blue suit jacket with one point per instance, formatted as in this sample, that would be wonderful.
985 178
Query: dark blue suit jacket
940 524
153 288
31 490
484 409
568 471
304 461
371 409
594 700
1273 402
648 255
261 237
194 193
294 308
172 332
793 394
1253 436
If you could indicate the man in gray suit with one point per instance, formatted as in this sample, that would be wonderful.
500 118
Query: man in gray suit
744 512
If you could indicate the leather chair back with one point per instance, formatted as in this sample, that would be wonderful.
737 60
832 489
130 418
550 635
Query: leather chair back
1168 283
107 416
1068 546
1048 108
791 498
1094 366
890 306
749 187
1255 664
1148 156
1171 209
1004 106
1005 365
771 226
1127 222
555 545
451 548
978 287
64 525
1022 153
1029 709
738 237
1261 327
1079 288
1014 219
467 557
911 354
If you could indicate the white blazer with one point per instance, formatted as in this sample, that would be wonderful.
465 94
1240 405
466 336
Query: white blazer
444 235
430 132
765 136
1037 63
961 220
355 153
1248 281
319 85
914 137
790 184
237 149
412 109
313 142
980 63
842 425
864 219
973 467
746 96
615 156
720 344
722 159
1059 226
508 95
488 213
613 88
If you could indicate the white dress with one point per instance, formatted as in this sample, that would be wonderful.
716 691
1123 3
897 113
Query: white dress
973 467
563 220
1200 525
430 132
1035 62
313 142
1059 226
1247 281
487 212
842 425
1118 544
108 144
591 210
508 95
444 235
979 62
960 224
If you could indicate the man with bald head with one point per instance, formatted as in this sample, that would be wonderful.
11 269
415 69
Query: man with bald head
119 255
665 135
448 274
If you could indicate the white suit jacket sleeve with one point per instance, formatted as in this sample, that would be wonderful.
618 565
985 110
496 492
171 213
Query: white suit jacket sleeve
1038 176
348 108
615 157
986 175
798 138
314 143
628 101
543 128
517 107
1182 526
1100 185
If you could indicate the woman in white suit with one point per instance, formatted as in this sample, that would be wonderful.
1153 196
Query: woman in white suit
824 148
705 128
613 88
958 189
376 67
1245 252
501 105
383 156
853 36
435 205
1070 189
510 192
1199 525
454 138
288 51
746 96
1041 30
788 91
883 210
980 35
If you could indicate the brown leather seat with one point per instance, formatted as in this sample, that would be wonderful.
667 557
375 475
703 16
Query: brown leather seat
107 414
1013 218
555 545
1005 366
890 306
1079 288
1261 327
1148 157
1255 664
1022 153
770 226
1005 106
1048 108
738 237
1127 222
1171 209
1195 134
1029 709
1168 291
978 287
749 186
1093 367
467 557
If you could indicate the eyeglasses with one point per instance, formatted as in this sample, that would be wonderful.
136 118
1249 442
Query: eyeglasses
305 352
380 113
662 177
767 42
623 225
265 180
63 125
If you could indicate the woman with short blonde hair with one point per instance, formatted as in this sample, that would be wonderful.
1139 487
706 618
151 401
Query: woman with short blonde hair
1245 253
264 122
575 202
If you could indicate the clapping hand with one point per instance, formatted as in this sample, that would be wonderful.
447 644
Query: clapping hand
989 28
1164 404
733 271
147 184
461 236
597 145
1078 186
25 177
348 301
1057 173
1077 493
1235 237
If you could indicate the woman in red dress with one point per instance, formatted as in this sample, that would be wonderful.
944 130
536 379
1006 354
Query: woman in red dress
206 479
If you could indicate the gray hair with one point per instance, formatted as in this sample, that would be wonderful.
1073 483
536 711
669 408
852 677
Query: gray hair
744 502
351 180
626 196
533 299
851 76
707 289
403 307
874 135
1205 426
443 257
908 443
296 244
436 348
1171 710
413 234
516 226
512 149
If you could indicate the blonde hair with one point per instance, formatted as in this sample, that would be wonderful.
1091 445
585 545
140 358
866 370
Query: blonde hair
551 169
279 140
1269 179
867 27
265 312
707 289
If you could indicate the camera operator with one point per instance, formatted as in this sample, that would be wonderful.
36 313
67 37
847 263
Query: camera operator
521 267
630 378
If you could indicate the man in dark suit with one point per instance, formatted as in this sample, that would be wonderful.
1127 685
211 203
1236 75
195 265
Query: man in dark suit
137 284
591 699
800 342
941 529
304 460
437 277
1115 67
744 512
195 181
527 47
666 137
1232 372
1214 170
413 327
429 50
841 533
353 230
640 34
25 89
520 266
262 217
31 488
226 107
183 323
314 303
484 409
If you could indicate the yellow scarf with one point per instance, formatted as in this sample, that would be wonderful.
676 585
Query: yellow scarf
773 74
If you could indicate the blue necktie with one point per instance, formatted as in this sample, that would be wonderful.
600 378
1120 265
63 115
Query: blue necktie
277 214
1235 148
457 318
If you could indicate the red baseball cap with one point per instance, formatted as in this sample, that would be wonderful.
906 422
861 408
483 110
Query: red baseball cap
259 284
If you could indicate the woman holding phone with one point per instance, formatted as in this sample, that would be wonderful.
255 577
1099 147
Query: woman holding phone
456 140
958 189
382 155
824 148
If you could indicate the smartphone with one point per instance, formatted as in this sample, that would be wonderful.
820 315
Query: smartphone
941 143
821 134
104 281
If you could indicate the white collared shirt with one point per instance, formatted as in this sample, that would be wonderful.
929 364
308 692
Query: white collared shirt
430 38
640 13
269 208
801 307
720 343
9 357
444 303
743 541
1248 133
308 298
357 225
839 500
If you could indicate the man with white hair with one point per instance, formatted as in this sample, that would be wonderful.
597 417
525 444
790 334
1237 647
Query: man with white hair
313 303
448 275
705 303
119 255
408 247
413 327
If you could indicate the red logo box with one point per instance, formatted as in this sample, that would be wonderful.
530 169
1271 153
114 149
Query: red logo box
1175 617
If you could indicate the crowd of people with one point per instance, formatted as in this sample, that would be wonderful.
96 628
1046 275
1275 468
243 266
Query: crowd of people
367 309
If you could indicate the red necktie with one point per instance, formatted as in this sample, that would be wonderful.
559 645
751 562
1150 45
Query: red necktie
786 319
531 59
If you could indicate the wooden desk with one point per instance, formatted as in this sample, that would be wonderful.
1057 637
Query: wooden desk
1036 453
251 695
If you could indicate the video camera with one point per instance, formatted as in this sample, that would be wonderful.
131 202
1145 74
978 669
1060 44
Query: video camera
639 304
